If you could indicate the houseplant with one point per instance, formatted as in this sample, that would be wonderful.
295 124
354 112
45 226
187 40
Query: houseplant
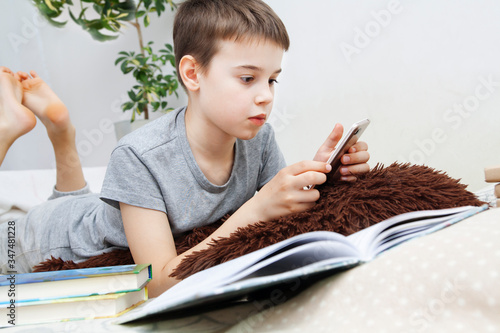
154 72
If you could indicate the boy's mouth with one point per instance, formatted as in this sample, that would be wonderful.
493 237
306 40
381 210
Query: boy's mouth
258 120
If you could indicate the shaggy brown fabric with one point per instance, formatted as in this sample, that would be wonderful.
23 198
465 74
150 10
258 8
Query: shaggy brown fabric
113 258
343 207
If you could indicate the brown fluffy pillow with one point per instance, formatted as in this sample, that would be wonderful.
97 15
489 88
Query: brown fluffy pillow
343 207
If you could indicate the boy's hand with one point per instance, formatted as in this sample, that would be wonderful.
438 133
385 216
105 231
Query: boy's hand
285 194
353 163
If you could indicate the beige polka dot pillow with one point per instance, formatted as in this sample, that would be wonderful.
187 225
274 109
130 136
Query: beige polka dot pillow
448 281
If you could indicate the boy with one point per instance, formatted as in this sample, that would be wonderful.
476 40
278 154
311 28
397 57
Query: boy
196 164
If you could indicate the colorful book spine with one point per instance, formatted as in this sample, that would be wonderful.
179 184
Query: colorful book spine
73 283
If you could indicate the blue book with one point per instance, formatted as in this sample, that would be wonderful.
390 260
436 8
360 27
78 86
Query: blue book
71 308
82 282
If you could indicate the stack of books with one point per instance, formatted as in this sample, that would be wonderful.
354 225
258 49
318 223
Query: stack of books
86 293
492 175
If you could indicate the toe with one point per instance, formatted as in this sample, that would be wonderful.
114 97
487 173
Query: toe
4 69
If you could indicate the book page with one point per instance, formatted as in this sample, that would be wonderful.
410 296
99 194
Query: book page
297 257
404 229
373 240
425 231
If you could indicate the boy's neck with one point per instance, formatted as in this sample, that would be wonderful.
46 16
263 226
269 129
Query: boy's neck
212 149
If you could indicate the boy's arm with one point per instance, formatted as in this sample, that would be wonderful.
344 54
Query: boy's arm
151 241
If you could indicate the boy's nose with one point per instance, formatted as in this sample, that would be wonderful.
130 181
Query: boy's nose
265 95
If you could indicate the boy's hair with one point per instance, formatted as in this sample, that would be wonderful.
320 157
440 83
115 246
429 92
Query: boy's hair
200 24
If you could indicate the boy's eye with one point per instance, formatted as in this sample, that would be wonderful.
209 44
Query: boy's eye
247 79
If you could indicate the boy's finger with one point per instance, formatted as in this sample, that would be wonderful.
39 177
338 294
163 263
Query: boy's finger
304 166
330 143
334 137
308 197
358 146
355 158
354 169
348 178
311 177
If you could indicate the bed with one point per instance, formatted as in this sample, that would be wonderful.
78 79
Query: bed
447 281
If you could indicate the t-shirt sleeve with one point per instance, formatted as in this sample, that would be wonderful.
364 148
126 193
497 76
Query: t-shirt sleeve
272 159
129 180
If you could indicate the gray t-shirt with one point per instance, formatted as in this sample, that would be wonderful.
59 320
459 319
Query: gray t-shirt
154 168
151 168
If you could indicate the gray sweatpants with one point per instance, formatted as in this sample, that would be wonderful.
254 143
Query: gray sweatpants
24 242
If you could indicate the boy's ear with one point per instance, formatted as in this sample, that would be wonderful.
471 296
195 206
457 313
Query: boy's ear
189 70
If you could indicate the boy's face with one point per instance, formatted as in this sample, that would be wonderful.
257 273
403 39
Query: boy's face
237 89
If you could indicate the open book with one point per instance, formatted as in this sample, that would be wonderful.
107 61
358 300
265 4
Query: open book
306 255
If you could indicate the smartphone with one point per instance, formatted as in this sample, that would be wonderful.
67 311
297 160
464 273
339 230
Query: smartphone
347 141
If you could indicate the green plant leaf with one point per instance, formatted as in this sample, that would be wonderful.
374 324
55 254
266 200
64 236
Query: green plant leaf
99 9
160 6
104 8
48 3
142 77
117 61
99 36
94 24
172 4
121 16
49 15
127 106
171 58
78 20
141 106
125 69
148 49
132 95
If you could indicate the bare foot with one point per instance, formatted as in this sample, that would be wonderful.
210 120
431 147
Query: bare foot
45 104
15 119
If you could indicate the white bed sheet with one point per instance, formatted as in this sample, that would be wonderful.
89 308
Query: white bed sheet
22 190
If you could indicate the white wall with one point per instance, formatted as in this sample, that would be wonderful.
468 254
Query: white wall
425 72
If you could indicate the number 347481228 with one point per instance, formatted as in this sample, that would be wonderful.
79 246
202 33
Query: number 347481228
11 243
